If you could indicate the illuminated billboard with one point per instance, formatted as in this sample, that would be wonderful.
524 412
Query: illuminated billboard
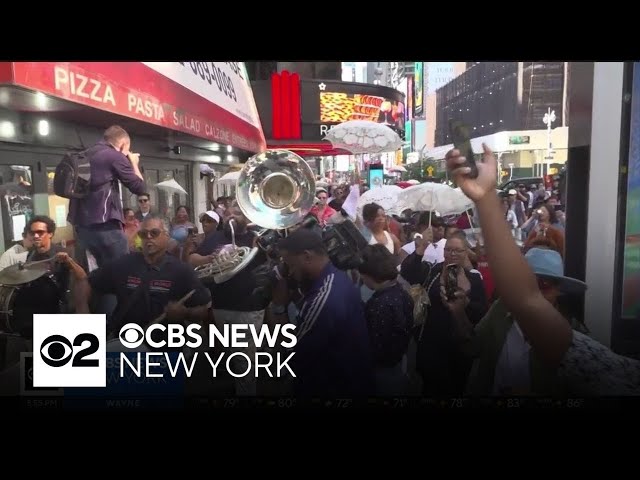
337 107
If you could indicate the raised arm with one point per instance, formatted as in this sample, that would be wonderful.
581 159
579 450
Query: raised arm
547 331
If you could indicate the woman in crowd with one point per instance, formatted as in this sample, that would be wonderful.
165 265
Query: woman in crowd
131 227
375 220
443 367
543 223
180 227
389 315
181 224
564 356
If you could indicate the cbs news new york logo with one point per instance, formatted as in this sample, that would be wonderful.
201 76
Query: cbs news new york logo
69 350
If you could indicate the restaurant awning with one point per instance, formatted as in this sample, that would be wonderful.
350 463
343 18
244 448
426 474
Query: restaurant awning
210 100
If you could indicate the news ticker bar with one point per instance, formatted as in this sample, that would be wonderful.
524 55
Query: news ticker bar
270 403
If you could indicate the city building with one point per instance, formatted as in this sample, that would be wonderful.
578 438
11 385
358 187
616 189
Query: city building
178 115
435 76
308 70
510 100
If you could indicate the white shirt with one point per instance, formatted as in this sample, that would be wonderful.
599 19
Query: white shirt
13 256
512 218
512 369
388 243
434 253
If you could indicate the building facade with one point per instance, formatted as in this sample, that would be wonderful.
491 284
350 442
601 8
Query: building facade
308 70
177 121
496 96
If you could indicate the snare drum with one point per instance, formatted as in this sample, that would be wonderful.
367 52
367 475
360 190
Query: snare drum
18 304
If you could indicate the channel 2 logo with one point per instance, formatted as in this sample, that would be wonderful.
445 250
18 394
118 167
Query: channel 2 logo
69 350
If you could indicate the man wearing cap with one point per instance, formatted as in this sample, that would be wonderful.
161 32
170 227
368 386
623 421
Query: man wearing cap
209 221
332 355
517 206
236 301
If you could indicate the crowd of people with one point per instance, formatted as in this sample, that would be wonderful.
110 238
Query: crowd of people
423 312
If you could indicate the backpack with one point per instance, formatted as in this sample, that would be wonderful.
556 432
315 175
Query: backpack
73 175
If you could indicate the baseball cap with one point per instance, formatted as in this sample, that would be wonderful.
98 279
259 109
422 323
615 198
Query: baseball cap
512 192
210 214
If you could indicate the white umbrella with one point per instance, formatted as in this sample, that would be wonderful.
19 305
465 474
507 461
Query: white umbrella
398 168
435 197
171 186
385 196
364 136
230 178
413 182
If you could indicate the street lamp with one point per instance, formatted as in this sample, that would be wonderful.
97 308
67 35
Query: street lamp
548 119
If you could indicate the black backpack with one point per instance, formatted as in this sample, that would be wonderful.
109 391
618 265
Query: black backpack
73 175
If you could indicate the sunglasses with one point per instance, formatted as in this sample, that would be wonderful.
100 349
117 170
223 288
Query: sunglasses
143 200
456 251
153 233
40 233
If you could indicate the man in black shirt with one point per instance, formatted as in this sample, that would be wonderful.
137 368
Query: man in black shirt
47 294
235 300
41 230
149 283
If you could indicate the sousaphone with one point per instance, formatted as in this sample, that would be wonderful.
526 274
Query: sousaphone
275 191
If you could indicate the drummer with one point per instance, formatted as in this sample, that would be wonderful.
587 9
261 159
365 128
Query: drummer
162 278
40 231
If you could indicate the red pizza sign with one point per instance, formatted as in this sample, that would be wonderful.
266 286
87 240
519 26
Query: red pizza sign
211 100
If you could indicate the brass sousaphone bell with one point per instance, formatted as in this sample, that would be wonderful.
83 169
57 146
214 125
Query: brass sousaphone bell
275 191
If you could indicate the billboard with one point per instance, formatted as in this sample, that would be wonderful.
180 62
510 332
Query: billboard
631 266
338 107
303 110
410 84
418 88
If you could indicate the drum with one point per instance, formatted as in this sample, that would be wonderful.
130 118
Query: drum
18 304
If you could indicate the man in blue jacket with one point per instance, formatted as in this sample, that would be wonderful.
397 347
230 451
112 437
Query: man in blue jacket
98 218
333 354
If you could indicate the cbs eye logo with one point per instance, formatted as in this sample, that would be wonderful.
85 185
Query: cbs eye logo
57 351
131 335
69 350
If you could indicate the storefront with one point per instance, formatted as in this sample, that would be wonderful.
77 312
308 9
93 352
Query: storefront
297 114
180 115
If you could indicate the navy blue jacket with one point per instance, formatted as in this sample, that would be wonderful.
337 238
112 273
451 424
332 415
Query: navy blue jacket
333 354
103 204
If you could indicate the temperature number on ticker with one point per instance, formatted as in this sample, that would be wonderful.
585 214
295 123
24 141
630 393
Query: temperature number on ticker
210 73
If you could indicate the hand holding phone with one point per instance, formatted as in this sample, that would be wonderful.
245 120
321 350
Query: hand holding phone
462 142
451 281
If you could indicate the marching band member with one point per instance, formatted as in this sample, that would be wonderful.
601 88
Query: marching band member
148 283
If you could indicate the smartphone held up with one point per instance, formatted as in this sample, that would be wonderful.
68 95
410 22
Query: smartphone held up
461 136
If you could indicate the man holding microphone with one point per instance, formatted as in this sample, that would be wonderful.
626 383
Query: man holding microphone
98 219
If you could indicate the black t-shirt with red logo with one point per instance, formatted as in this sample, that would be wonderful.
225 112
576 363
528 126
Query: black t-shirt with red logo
168 280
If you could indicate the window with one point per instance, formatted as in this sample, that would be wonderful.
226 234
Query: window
16 194
163 201
58 210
